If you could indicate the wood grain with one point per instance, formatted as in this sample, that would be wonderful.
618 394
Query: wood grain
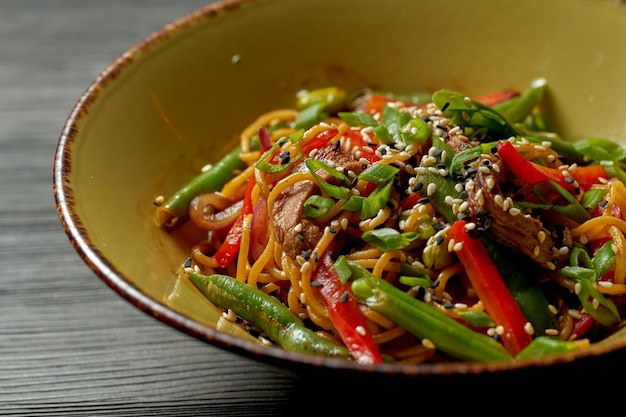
68 344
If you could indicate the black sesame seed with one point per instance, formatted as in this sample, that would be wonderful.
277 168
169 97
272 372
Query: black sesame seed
301 236
316 284
603 203
188 262
417 187
424 200
439 240
445 106
332 230
337 145
344 297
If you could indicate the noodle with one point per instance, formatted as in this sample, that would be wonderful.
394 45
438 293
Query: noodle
378 188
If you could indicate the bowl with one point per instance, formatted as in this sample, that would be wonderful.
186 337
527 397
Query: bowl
179 99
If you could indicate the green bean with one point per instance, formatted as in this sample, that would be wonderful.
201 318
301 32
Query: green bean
426 322
332 99
279 323
174 210
516 109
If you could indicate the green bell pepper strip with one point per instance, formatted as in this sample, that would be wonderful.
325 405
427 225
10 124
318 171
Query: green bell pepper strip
174 211
424 321
279 323
491 288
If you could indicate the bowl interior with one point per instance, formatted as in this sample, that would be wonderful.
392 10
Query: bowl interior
178 100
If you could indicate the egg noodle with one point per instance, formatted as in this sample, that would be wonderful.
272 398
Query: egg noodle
449 164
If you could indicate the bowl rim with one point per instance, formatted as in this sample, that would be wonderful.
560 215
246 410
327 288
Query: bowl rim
111 276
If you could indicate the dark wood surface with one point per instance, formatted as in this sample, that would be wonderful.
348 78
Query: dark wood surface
69 345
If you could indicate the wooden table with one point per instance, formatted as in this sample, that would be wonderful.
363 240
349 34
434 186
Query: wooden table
69 345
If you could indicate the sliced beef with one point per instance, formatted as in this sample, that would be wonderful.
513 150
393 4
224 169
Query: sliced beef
293 229
520 232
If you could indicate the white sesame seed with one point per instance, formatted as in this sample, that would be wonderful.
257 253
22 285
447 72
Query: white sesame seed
541 236
428 343
360 330
514 211
536 251
574 313
552 332
430 190
528 327
305 267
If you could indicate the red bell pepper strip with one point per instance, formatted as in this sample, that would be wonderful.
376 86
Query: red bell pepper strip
533 173
491 289
496 97
345 313
409 202
374 103
354 139
319 140
229 249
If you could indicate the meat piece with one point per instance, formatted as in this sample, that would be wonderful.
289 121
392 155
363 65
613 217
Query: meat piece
293 229
489 209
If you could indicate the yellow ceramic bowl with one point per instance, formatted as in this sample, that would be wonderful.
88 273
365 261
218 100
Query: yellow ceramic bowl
178 100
